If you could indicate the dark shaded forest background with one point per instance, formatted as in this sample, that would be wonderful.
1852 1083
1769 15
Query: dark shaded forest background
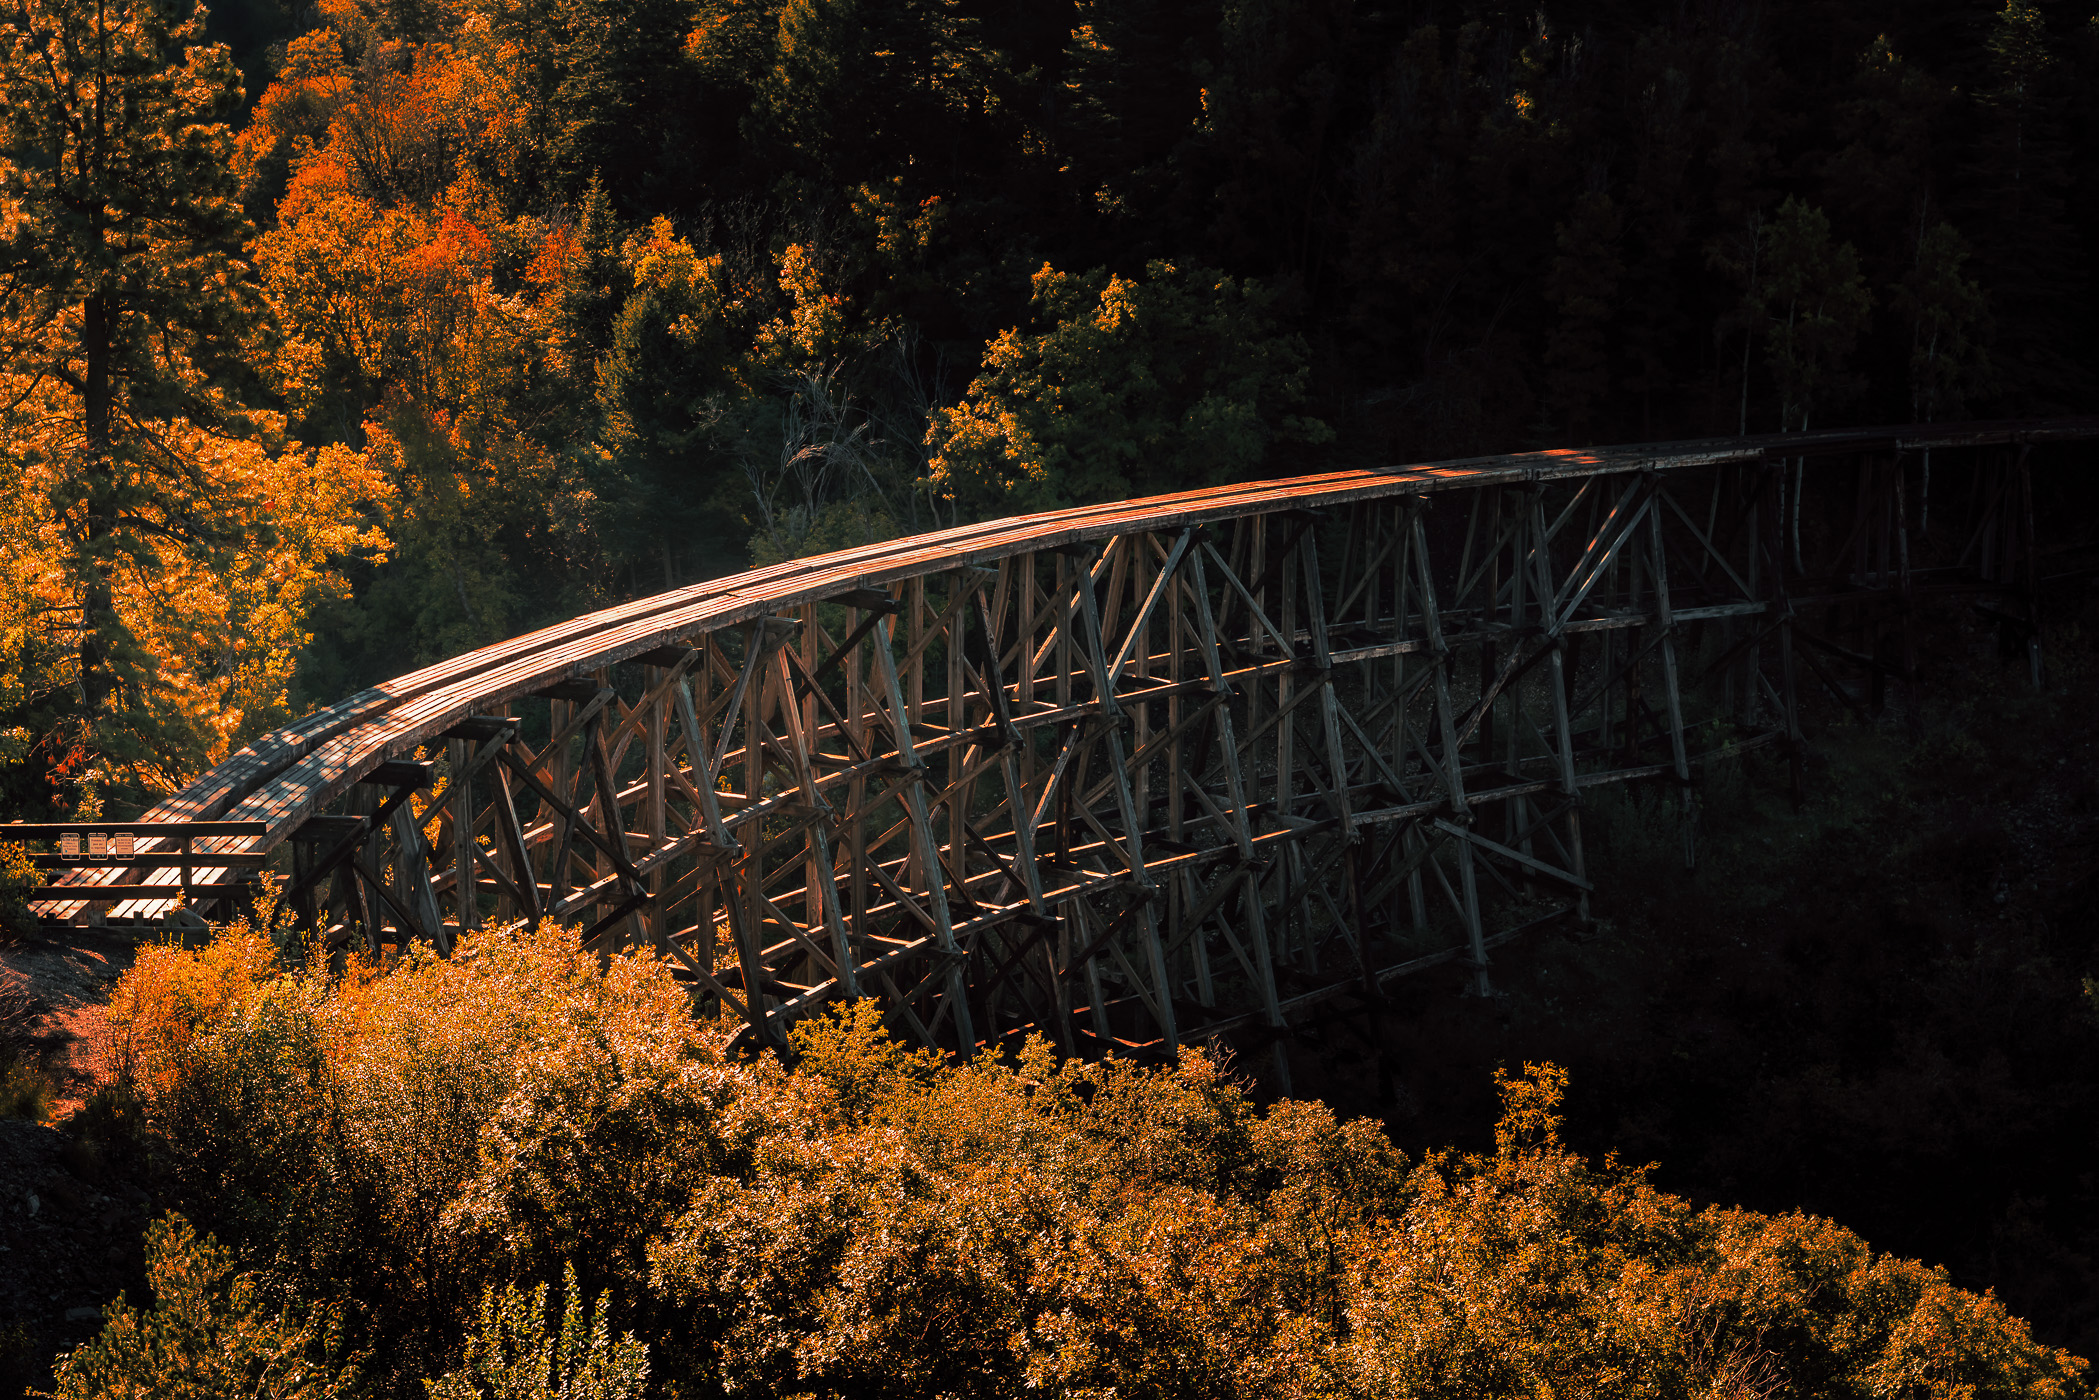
1393 233
523 306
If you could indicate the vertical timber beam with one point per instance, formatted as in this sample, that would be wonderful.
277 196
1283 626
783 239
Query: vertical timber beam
1687 802
465 886
922 839
1110 720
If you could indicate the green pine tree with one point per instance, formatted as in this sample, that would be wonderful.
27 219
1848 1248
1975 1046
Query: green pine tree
124 304
1818 304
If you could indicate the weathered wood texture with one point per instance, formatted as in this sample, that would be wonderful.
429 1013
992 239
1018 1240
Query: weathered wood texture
1132 773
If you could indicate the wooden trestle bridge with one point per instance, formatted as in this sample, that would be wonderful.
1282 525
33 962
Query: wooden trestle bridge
1129 774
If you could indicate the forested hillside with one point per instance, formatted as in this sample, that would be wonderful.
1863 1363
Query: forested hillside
338 338
372 332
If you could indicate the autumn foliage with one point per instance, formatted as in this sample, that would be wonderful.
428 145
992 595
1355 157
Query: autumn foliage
401 1159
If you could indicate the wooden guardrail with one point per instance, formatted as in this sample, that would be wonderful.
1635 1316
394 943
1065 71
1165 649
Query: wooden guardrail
91 849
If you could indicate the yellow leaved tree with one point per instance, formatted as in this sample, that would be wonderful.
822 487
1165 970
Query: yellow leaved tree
1132 386
215 632
164 543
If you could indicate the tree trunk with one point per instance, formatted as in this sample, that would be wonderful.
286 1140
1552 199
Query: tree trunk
98 470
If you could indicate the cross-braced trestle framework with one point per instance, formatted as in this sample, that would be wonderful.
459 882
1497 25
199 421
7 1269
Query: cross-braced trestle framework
1136 774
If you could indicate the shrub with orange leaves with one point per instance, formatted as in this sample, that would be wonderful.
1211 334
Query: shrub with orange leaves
344 1128
1530 1272
171 993
209 1330
875 1220
1017 1228
17 873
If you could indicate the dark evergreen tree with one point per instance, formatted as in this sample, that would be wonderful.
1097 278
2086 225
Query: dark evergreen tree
621 106
2015 203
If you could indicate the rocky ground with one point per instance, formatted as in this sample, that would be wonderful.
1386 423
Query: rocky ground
70 1222
67 975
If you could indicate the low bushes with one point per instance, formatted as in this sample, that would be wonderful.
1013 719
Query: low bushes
209 1333
405 1163
18 875
26 1086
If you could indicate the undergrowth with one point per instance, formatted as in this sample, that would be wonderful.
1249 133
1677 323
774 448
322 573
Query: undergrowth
519 1172
18 873
27 1090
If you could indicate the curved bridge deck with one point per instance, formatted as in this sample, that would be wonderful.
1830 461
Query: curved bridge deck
1133 773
